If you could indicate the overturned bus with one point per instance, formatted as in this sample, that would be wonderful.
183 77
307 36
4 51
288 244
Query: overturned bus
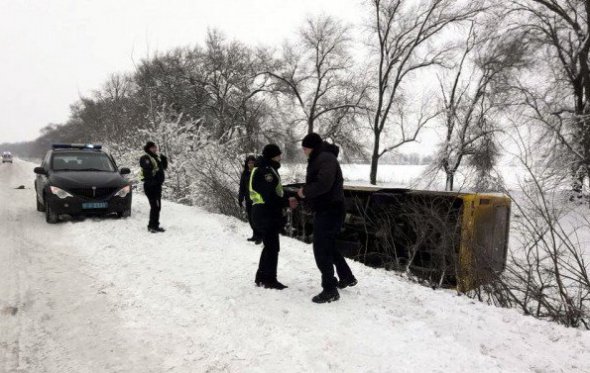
444 238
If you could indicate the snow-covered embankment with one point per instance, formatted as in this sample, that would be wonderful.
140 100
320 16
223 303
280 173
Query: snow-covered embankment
106 296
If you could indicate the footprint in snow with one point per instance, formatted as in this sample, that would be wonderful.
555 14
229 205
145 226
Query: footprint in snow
9 310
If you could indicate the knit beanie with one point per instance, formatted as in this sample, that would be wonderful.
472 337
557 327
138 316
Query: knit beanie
270 151
149 145
312 141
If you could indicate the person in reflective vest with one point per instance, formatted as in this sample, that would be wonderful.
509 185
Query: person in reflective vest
244 196
268 202
153 166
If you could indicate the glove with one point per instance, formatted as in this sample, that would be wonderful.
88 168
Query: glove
164 161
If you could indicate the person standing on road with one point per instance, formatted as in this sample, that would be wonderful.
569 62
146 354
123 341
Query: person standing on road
268 202
153 166
244 196
323 193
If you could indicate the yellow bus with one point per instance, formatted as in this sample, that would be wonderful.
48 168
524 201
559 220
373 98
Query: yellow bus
445 238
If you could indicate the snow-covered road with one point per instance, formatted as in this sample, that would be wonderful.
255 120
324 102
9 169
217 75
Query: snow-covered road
106 296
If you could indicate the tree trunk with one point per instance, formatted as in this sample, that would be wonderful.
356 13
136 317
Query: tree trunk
450 181
375 160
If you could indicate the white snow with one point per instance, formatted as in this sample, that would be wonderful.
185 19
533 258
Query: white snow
410 176
106 296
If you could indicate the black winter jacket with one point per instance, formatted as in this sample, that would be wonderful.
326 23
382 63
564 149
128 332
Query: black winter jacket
147 167
324 184
244 193
265 183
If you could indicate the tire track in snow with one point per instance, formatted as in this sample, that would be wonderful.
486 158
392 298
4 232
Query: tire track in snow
63 323
13 292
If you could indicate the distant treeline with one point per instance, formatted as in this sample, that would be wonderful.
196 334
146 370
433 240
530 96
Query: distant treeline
477 64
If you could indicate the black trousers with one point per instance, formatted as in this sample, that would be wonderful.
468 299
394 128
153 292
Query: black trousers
154 195
255 232
269 258
268 225
326 227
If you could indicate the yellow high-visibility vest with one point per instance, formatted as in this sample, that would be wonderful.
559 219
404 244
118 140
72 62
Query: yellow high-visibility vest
155 167
256 197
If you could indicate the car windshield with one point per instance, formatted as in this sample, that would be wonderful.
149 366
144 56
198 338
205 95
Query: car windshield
82 161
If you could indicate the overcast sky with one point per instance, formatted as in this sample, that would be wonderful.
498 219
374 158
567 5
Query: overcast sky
53 51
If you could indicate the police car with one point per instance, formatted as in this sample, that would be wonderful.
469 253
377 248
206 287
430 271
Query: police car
6 157
81 179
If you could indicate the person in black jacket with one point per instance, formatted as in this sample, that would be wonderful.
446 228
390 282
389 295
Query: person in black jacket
244 196
324 195
153 166
268 202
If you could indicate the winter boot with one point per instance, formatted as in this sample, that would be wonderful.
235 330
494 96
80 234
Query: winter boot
272 285
326 296
346 283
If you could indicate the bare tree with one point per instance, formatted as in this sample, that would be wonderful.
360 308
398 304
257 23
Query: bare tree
217 86
561 28
547 271
316 74
476 95
403 32
232 82
116 98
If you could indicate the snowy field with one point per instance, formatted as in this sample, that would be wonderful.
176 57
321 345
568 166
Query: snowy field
406 176
106 296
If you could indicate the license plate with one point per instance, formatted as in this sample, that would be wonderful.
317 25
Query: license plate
95 205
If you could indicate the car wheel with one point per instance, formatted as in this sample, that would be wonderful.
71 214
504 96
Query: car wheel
50 215
124 214
40 206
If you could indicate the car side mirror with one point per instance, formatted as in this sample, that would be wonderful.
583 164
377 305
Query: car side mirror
40 171
125 171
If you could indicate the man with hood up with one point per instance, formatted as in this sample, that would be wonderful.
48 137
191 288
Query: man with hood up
323 193
268 202
244 196
153 166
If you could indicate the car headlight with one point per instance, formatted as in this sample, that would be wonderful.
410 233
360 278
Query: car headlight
60 193
123 192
